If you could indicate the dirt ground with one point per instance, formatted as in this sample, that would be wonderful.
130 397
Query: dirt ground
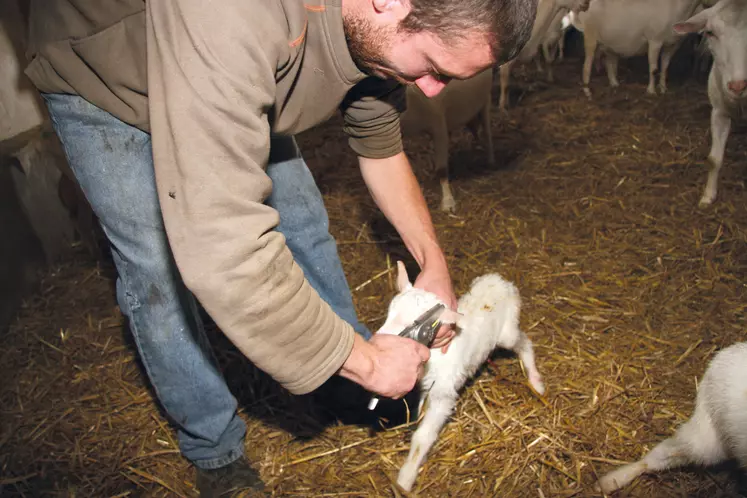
628 289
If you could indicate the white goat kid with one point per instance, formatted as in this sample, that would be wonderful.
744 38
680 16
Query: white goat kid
725 29
716 431
626 28
461 103
487 317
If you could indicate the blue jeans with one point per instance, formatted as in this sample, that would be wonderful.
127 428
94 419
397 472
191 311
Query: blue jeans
113 164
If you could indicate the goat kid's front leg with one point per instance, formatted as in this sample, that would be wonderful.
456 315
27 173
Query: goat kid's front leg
720 127
439 408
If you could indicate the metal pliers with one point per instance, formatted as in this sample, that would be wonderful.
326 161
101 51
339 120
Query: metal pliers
423 330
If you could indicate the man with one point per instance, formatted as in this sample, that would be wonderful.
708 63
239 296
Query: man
178 121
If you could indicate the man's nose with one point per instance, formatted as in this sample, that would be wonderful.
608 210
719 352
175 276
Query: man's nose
430 85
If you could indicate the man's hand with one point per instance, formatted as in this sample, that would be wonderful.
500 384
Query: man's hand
435 278
387 365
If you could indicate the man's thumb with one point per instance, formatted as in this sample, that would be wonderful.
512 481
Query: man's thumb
423 352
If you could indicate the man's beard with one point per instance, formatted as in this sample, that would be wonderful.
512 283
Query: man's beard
366 46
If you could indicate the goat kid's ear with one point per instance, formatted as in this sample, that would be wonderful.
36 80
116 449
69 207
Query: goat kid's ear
403 281
450 316
392 325
693 25
684 28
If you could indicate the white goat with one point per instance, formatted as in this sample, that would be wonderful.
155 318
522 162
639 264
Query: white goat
628 28
547 11
461 103
553 43
716 431
487 317
725 30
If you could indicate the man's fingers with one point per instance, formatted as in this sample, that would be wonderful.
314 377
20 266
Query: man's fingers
443 340
444 329
438 343
445 349
423 352
443 334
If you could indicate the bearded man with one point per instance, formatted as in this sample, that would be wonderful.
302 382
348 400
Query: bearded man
178 119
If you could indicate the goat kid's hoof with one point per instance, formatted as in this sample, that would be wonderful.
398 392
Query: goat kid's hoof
587 92
707 198
448 205
705 203
537 384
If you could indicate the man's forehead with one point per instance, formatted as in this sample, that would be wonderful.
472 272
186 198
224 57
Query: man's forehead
462 59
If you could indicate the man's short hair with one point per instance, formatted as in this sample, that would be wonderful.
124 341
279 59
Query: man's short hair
506 23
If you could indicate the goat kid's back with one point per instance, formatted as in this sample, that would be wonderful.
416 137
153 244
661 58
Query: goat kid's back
490 318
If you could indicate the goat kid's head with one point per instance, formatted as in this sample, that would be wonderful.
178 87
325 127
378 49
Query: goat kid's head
411 302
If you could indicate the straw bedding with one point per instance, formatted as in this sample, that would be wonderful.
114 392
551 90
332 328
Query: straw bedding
628 289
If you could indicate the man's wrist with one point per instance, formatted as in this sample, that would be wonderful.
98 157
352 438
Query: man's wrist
359 365
433 258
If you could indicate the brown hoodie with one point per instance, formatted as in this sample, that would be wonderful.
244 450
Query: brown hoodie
216 78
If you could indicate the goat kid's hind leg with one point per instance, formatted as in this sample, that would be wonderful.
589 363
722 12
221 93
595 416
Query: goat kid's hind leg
525 351
439 408
482 120
505 76
487 131
549 53
561 47
666 57
520 344
590 49
720 126
611 62
654 48
695 442
538 62
440 135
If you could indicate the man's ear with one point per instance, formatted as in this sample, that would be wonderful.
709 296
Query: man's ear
397 7
403 281
449 316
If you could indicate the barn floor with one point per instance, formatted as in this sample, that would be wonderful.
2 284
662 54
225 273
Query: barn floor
628 289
